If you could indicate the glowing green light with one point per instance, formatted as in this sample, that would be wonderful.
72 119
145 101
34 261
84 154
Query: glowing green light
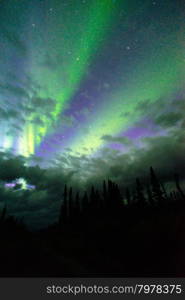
74 48
149 82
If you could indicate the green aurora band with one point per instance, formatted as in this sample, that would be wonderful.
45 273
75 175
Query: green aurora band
67 42
158 76
76 44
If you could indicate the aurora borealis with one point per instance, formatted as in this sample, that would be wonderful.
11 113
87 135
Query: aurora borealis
90 79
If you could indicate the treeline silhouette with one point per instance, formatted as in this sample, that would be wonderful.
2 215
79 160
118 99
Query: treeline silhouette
110 199
109 233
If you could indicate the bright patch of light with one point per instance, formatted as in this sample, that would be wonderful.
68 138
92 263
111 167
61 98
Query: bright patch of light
21 183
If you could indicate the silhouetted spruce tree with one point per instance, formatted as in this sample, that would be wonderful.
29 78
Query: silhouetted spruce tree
157 193
118 198
128 196
97 199
177 182
114 196
149 195
76 207
3 214
70 203
141 201
92 196
134 198
164 191
104 192
85 202
63 209
109 192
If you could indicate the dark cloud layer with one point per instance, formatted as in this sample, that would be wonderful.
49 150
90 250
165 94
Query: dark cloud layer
164 153
120 140
170 119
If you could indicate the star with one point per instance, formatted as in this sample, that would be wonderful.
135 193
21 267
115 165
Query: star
128 47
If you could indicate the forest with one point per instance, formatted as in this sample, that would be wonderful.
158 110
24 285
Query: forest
102 233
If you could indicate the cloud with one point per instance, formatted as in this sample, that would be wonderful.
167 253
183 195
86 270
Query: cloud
37 121
14 130
14 39
13 90
164 153
169 119
41 106
120 140
152 110
46 103
11 168
12 121
3 114
13 114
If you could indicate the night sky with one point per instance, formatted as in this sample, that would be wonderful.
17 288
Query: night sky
93 87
